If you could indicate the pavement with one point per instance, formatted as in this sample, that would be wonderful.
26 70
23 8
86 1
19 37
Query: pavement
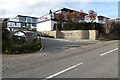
65 59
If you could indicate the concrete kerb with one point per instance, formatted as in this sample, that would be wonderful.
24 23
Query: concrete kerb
99 43
84 40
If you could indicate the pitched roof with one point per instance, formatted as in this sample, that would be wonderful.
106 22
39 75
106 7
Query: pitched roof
66 9
103 16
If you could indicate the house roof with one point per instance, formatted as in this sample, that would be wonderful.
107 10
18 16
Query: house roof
26 16
66 9
103 16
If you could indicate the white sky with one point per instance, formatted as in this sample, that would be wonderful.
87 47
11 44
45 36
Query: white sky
38 8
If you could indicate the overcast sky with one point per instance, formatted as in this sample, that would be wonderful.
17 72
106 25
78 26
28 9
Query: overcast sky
39 8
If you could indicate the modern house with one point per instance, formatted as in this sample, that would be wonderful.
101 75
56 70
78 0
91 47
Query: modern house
101 19
22 21
13 23
46 22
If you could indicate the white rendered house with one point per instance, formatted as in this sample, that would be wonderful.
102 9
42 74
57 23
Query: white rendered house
45 23
22 21
101 19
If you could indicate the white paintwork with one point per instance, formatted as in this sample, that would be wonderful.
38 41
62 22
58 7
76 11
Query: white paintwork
108 52
63 71
13 24
100 21
45 26
44 18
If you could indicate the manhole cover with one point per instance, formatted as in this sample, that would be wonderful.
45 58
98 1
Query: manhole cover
73 46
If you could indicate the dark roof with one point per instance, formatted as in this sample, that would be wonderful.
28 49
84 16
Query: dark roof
103 17
26 16
66 9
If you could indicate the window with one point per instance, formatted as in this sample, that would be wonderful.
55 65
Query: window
29 20
22 19
100 19
34 20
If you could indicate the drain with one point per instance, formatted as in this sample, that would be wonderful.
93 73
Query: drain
73 46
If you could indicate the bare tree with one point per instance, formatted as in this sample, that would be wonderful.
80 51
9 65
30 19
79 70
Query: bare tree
4 23
109 26
69 16
91 16
81 14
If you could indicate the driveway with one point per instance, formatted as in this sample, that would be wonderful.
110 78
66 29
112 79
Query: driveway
51 45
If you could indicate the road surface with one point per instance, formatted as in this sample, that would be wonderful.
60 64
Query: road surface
85 59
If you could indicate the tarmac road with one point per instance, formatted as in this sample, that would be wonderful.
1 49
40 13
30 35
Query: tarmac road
95 60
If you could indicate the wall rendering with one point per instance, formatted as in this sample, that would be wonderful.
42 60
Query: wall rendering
45 26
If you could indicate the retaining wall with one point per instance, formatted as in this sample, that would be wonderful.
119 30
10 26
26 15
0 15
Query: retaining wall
73 34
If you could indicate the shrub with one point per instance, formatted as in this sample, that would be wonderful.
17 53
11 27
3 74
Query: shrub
23 48
113 34
57 26
81 26
45 35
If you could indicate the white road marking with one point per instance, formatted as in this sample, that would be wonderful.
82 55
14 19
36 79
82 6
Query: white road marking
67 69
108 52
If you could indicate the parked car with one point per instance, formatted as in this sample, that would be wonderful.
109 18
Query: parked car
23 36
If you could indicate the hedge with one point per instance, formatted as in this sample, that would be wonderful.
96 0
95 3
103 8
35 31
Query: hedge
23 48
79 26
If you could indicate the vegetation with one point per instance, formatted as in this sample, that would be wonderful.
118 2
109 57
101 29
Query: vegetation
74 16
108 31
23 48
45 35
91 16
11 47
80 26
111 30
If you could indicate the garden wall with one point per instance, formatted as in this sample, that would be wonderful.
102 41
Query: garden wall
73 34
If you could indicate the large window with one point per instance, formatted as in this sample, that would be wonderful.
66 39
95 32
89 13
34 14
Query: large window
29 20
34 20
22 19
101 19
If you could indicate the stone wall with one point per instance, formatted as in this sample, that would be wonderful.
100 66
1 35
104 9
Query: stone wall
50 33
73 34
93 34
